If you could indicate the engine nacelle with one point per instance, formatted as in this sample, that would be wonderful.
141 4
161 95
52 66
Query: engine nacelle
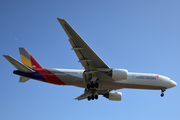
119 74
115 96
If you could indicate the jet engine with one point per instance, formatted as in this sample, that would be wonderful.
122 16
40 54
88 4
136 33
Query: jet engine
119 74
116 74
115 96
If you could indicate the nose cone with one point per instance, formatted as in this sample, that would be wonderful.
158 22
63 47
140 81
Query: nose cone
173 84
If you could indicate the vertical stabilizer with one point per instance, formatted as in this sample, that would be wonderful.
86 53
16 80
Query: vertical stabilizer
28 59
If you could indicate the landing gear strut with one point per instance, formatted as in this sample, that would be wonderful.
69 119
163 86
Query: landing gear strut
88 86
92 85
163 90
96 85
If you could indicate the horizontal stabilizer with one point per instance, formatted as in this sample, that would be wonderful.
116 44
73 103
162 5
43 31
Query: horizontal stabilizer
23 79
21 67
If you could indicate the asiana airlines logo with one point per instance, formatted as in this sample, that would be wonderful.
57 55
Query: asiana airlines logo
157 76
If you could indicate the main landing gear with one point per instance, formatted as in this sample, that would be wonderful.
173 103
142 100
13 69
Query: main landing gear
163 90
92 85
92 97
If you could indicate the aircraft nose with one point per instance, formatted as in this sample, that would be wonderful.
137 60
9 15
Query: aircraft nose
173 83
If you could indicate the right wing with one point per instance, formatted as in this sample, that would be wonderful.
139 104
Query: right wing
85 95
87 57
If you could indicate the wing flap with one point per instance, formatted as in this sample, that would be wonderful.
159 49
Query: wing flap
78 52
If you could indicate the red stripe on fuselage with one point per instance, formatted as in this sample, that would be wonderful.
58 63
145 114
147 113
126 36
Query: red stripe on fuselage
34 63
49 76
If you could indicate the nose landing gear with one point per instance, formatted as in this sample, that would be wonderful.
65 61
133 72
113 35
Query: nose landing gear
162 94
163 90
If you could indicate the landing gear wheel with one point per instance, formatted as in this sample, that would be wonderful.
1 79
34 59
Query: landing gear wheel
92 85
96 85
92 97
88 86
89 98
96 97
162 94
163 90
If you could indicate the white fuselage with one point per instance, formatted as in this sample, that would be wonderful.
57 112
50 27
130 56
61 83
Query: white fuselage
134 80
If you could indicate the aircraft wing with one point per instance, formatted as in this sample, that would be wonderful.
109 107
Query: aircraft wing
87 57
84 95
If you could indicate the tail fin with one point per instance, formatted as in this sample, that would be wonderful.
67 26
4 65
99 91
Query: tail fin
28 59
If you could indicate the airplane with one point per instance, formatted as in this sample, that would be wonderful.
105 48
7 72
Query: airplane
97 78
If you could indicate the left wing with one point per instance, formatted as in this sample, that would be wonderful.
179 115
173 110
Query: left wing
87 57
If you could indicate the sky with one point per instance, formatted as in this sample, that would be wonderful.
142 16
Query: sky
140 36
